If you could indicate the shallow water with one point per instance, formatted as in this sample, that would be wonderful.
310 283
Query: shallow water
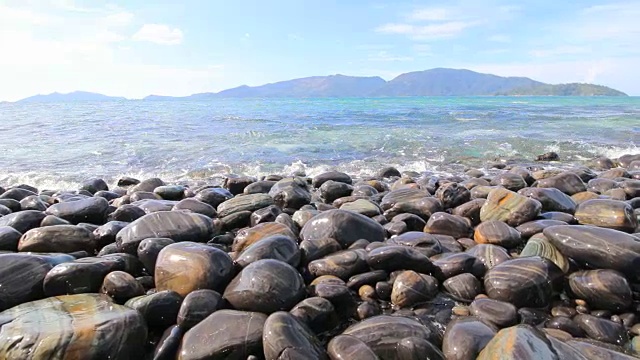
58 145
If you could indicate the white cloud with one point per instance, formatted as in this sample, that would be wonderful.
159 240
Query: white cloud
159 34
561 50
121 18
425 32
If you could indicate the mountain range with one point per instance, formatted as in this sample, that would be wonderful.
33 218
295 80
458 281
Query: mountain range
434 82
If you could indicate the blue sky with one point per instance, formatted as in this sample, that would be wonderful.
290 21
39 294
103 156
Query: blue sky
135 48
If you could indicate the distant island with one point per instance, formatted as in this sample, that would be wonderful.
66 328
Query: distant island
433 82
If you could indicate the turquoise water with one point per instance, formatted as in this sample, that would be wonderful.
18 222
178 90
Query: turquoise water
54 144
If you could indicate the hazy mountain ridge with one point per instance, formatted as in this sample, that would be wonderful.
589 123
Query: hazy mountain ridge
433 82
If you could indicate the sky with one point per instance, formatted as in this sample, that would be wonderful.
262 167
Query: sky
135 48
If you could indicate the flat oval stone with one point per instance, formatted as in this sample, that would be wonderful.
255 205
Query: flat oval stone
149 249
127 213
9 238
499 313
170 192
602 289
251 202
225 334
567 182
565 324
345 227
267 214
79 276
368 278
196 206
315 249
523 281
465 337
402 196
51 328
602 329
145 185
343 264
540 246
285 337
424 206
246 237
470 210
415 348
497 233
446 224
392 258
591 350
597 247
175 225
490 255
23 221
21 279
427 244
411 288
463 287
382 333
196 306
187 266
259 187
551 199
317 313
290 193
266 286
531 228
507 206
57 238
452 195
159 309
521 342
612 214
276 247
452 264
362 206
91 210
346 347
213 196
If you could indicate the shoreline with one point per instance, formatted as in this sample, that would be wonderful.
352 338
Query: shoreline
520 259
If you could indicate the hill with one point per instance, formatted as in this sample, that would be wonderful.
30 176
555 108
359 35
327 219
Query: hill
451 82
70 97
574 89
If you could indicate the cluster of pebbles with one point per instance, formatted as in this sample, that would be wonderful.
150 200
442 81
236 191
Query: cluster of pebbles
513 262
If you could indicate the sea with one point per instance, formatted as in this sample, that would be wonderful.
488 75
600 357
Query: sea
57 145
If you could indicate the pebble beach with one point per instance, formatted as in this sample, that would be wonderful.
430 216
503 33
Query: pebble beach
514 260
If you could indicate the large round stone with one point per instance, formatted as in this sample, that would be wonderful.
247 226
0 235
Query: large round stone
23 221
276 247
58 238
510 207
225 334
187 266
91 210
175 225
266 286
87 326
522 342
251 202
465 337
344 226
612 214
602 289
21 279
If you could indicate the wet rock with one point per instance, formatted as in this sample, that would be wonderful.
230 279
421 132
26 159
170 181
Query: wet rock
396 197
259 187
497 233
470 210
167 348
315 249
331 175
266 286
499 313
11 204
362 206
598 247
489 255
602 329
411 288
106 234
127 213
197 306
227 334
159 309
23 221
465 337
382 333
285 337
301 217
392 258
567 182
341 264
57 238
422 206
51 326
170 192
276 247
9 238
80 276
33 202
267 214
464 287
149 249
213 196
520 342
534 227
90 210
250 202
551 199
540 246
345 347
17 194
147 185
510 181
523 281
610 214
332 190
532 316
601 185
317 313
121 286
452 264
344 226
175 225
290 193
21 279
416 348
236 185
249 236
602 289
446 224
596 350
550 156
565 324
187 266
452 195
427 244
196 206
507 206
